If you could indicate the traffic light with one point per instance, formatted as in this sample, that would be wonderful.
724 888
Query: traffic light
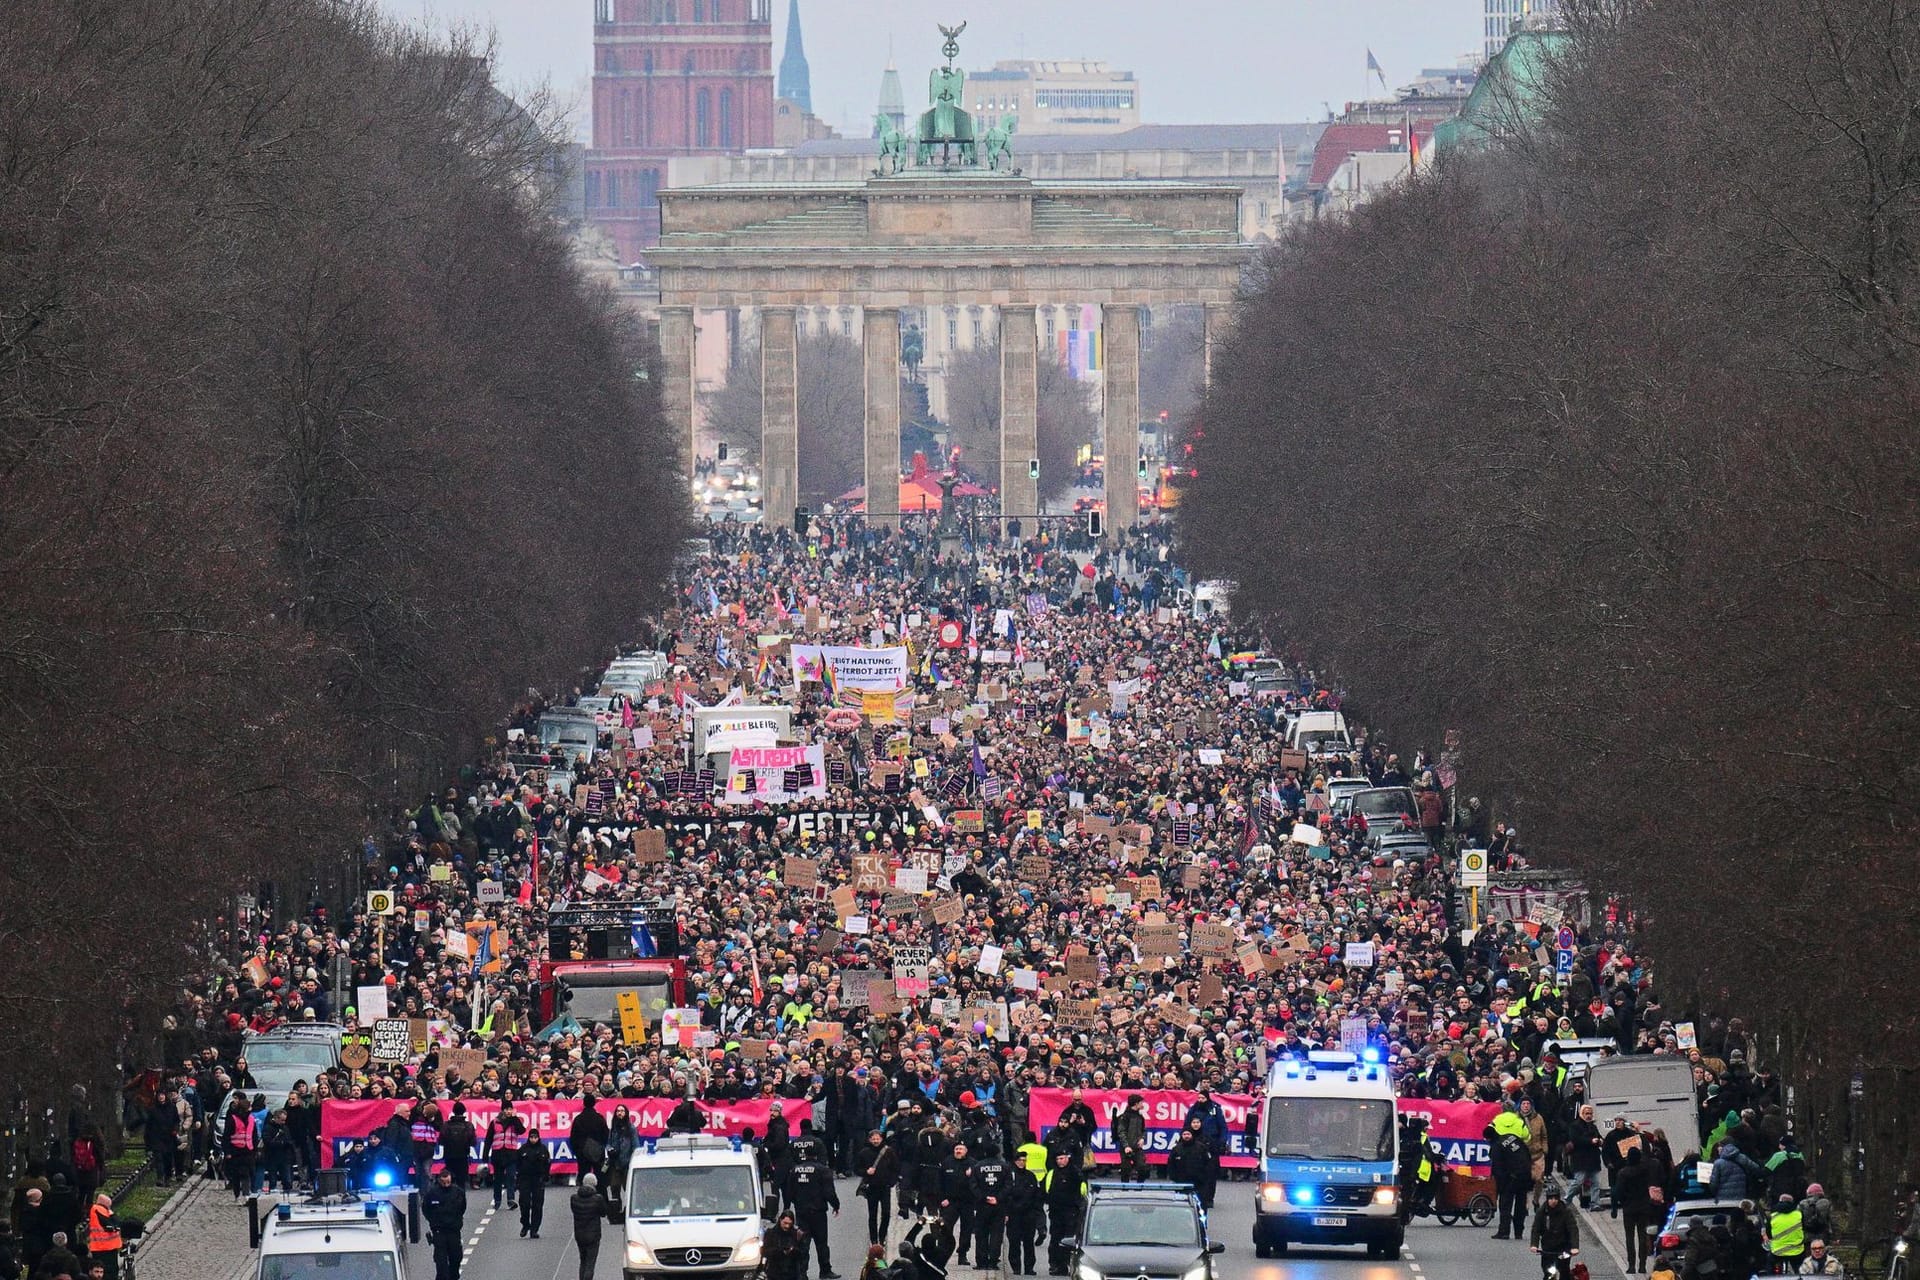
801 516
1033 468
1141 471
1096 523
720 452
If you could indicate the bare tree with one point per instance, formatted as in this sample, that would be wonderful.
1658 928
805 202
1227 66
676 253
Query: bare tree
1065 420
1614 474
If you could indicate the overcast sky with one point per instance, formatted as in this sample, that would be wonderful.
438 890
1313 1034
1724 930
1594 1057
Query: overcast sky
1213 61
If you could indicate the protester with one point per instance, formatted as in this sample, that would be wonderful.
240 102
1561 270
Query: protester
1100 741
589 1212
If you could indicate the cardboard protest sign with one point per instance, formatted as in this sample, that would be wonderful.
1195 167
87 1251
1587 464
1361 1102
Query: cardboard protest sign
1157 939
1215 941
649 846
856 986
392 1041
800 873
1082 967
1036 868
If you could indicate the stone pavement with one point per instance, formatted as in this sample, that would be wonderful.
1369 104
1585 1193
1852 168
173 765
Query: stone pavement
203 1237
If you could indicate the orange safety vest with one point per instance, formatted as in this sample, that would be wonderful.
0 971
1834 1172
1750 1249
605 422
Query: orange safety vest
243 1133
425 1133
100 1237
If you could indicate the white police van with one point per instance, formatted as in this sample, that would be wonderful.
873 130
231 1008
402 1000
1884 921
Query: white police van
1329 1142
334 1237
693 1209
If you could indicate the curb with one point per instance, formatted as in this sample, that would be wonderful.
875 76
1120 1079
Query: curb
1595 1228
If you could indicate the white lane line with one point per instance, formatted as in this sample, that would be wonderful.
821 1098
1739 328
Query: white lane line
466 1254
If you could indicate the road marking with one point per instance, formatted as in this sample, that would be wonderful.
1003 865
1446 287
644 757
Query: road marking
466 1254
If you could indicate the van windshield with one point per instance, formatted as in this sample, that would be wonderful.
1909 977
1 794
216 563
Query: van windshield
329 1266
1329 1128
691 1191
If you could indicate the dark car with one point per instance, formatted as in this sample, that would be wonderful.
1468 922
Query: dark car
1133 1230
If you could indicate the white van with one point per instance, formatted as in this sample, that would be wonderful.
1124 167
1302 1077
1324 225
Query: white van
1319 733
1653 1091
337 1237
693 1209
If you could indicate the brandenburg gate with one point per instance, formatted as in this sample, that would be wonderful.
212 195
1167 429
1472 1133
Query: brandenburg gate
958 225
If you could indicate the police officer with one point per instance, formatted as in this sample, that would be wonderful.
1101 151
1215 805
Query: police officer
1024 1205
1063 1186
445 1209
810 1193
956 1196
990 1180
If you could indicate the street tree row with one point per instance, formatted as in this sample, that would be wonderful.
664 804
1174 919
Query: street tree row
1598 446
315 454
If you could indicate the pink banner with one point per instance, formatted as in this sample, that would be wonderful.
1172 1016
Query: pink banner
341 1123
1166 1113
1458 1128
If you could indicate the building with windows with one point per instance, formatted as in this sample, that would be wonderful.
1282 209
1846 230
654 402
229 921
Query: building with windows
1504 17
671 78
1059 96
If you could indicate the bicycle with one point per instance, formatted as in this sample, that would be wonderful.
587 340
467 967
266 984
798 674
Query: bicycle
1889 1258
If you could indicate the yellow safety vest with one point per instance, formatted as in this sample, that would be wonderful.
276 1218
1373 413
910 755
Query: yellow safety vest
1786 1235
1033 1156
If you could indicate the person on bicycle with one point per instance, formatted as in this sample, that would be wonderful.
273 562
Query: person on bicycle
1556 1232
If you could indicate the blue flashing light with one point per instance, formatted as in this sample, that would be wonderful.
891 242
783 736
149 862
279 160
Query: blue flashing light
382 1179
284 1212
1303 1195
1370 1053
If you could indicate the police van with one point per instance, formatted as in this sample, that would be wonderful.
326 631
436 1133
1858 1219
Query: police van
337 1236
693 1209
1329 1143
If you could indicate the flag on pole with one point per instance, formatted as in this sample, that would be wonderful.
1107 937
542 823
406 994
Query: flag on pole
1373 68
1413 148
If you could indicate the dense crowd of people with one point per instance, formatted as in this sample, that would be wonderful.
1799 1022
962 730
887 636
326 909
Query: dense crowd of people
1126 775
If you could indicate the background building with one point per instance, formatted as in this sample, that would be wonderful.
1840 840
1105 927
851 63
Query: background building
893 102
1056 96
1503 18
670 78
796 82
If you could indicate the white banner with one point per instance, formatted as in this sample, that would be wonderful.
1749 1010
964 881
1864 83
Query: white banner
853 667
733 732
760 773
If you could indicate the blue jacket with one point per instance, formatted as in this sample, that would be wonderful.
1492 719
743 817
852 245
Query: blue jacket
1735 1174
1213 1123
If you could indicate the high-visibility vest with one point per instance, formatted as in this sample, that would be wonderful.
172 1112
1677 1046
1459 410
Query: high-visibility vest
507 1139
1033 1156
101 1238
424 1132
1786 1234
243 1133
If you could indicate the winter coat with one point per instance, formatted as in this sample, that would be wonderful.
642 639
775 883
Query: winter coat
589 1212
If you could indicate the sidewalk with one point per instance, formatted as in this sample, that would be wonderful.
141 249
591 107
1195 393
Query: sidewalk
200 1235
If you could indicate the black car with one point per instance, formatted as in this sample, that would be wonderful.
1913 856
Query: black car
1143 1231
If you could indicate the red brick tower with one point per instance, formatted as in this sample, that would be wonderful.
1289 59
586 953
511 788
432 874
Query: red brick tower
671 78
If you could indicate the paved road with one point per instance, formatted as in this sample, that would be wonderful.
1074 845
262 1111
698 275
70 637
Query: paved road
1433 1252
